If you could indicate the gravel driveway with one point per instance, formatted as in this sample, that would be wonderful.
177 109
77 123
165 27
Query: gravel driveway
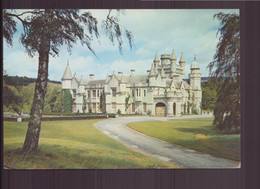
184 157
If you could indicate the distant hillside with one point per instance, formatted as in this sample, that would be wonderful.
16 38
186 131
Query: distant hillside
22 81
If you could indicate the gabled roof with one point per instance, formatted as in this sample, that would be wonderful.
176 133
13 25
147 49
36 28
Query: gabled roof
67 74
123 80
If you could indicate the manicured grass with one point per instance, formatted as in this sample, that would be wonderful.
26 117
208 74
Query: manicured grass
72 144
197 134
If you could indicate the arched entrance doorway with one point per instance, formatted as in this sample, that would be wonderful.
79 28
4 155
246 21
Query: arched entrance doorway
160 109
174 108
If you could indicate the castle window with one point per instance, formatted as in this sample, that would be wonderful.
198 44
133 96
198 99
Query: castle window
144 92
88 94
97 93
138 92
133 92
114 92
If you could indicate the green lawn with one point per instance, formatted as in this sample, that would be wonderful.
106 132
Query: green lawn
72 144
197 134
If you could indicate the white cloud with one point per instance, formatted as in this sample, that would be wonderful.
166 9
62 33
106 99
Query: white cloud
188 31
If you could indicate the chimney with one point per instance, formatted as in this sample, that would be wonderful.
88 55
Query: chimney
91 76
132 73
120 73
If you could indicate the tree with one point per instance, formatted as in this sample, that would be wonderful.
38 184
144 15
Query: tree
127 104
12 100
44 31
67 101
226 65
209 94
84 106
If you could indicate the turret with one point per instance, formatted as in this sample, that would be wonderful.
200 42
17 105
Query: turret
195 84
165 59
67 78
81 86
91 76
132 73
156 60
173 60
152 75
195 75
152 72
182 62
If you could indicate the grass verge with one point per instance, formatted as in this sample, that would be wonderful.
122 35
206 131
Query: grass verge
197 134
73 144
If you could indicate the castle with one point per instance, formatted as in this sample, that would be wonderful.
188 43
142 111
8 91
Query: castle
161 92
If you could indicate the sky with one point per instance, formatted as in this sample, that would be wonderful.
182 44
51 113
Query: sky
193 32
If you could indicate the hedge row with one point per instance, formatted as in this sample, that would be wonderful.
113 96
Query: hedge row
56 118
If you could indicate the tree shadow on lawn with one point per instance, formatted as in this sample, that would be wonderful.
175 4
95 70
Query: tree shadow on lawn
203 130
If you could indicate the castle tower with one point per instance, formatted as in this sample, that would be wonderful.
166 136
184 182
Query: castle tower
195 83
152 75
156 61
182 63
67 78
173 60
165 59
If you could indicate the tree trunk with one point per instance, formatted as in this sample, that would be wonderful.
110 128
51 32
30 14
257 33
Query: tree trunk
34 126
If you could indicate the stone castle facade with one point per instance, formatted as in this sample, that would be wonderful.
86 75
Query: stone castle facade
161 92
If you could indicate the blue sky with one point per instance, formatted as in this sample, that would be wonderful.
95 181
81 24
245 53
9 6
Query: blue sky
193 32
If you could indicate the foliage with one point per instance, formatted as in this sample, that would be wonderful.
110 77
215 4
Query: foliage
127 104
227 56
24 95
67 101
12 100
84 106
53 99
22 81
209 94
119 111
227 66
227 115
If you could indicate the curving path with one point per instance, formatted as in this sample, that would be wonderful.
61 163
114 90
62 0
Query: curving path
164 151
